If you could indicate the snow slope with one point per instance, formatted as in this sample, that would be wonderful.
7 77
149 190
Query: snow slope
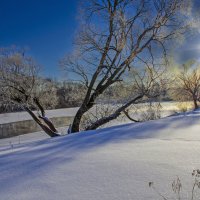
114 163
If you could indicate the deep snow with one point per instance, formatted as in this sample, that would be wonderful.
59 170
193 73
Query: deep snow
114 163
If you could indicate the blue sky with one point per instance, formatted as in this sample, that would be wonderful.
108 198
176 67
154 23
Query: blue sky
45 27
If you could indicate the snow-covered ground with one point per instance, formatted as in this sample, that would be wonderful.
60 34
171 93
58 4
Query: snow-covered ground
22 116
114 163
66 112
30 137
167 109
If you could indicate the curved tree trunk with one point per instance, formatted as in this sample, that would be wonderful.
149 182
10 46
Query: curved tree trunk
77 119
48 127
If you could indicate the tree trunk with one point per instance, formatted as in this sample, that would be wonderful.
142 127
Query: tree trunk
47 129
77 119
195 104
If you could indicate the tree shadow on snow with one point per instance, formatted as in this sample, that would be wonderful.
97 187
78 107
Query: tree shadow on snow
27 161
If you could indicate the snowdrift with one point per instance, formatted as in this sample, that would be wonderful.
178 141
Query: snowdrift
114 163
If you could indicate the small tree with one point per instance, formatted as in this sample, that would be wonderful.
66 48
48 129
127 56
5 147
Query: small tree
187 83
21 85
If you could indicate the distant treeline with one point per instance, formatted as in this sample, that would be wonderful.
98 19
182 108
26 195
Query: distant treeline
70 94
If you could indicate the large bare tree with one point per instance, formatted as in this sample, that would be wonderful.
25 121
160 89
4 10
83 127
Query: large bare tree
21 85
115 36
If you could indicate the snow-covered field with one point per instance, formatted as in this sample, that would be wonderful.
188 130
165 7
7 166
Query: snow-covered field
66 112
22 116
114 163
167 109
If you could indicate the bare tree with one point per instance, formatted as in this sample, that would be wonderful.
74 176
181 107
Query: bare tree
146 85
115 36
21 85
187 85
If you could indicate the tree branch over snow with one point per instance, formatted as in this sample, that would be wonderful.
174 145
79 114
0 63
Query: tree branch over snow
111 40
